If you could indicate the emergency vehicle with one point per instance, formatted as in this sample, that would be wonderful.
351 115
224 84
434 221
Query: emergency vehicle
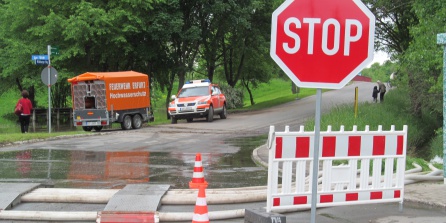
198 99
101 98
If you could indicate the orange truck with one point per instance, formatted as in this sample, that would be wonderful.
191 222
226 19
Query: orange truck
102 98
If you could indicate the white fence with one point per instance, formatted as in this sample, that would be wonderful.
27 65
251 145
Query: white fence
373 169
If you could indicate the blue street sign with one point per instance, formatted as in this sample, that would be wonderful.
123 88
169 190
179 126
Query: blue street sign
42 62
39 57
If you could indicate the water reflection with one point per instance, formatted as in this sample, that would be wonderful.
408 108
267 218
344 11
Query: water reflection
87 169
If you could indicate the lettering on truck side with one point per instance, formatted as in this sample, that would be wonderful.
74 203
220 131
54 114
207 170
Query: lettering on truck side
119 86
128 95
138 85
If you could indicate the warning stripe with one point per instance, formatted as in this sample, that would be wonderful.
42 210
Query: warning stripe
340 146
338 197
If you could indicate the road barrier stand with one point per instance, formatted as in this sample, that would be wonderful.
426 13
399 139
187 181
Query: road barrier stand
356 167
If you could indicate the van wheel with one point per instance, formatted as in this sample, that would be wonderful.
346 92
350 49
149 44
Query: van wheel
87 128
173 120
224 113
97 128
136 122
126 123
189 119
210 117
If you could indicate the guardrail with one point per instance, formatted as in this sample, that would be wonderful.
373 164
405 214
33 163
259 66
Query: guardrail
61 119
291 160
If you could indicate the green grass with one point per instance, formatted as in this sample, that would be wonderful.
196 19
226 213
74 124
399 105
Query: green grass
17 137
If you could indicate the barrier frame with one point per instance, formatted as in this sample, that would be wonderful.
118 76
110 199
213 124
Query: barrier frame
377 153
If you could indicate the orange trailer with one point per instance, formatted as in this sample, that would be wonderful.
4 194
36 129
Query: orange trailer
101 98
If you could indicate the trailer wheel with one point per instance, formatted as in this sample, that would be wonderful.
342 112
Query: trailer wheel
98 128
87 128
126 123
136 121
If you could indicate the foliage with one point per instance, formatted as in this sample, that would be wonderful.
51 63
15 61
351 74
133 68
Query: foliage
166 39
234 96
380 72
422 63
391 112
436 145
393 20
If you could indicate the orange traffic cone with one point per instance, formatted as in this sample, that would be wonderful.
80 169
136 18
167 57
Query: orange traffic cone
201 208
198 175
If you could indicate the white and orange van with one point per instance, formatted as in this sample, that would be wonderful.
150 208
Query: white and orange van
198 99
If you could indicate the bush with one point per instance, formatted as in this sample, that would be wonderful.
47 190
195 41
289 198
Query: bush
234 96
436 145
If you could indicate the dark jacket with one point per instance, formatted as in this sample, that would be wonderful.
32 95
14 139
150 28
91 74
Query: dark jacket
375 92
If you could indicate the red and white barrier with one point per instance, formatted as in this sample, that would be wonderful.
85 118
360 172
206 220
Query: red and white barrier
344 184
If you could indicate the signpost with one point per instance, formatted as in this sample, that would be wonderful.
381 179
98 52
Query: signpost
322 44
42 62
48 75
441 39
39 57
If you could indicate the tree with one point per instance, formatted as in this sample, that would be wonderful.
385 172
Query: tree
422 63
393 21
92 36
258 65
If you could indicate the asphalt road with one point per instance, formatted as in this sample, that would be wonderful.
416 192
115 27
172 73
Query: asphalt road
197 136
204 137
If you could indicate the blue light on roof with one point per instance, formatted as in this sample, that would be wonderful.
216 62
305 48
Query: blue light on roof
198 81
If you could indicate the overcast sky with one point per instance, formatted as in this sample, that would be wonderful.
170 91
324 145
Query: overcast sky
380 57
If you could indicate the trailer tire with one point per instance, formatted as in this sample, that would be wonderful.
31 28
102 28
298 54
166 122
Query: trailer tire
87 128
136 121
126 123
98 128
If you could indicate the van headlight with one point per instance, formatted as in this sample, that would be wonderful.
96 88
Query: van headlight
202 102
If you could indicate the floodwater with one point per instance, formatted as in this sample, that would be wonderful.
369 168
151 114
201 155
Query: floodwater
87 169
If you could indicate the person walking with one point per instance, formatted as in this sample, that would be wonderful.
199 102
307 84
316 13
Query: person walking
382 91
25 115
375 94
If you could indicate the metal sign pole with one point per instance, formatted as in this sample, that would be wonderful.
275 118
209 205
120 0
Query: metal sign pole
49 88
317 130
441 39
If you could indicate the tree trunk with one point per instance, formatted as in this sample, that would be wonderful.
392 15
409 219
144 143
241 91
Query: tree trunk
246 84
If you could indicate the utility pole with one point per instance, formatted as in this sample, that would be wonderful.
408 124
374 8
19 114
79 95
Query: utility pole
441 40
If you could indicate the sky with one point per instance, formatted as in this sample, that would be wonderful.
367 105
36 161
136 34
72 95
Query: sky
379 57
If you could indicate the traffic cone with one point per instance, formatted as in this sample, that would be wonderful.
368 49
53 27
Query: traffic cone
201 208
198 175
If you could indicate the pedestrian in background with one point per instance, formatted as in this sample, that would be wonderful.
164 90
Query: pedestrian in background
375 94
25 115
382 91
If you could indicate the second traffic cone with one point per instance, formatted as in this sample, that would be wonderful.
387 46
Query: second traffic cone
198 175
201 208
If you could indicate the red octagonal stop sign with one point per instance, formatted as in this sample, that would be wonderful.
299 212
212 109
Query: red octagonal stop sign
322 43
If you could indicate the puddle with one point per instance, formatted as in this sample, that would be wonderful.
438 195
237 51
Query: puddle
87 169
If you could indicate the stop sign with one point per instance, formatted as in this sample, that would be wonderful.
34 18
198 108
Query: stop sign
322 43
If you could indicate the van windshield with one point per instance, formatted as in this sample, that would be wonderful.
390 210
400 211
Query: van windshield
194 91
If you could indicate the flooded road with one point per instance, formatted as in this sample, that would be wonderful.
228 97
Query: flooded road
115 169
165 153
